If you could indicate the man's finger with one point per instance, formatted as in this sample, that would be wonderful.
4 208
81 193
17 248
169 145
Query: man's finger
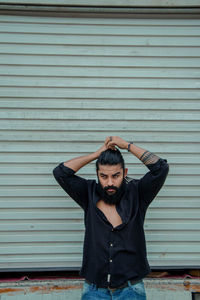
111 144
107 140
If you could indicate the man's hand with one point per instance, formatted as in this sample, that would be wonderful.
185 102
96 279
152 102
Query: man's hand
113 141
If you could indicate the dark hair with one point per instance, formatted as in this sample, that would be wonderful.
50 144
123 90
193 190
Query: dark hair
110 157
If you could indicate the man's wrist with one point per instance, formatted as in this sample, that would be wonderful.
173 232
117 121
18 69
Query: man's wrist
96 154
129 146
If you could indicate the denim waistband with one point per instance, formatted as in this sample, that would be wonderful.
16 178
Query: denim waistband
124 285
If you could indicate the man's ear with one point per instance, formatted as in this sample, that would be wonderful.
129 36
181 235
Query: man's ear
125 172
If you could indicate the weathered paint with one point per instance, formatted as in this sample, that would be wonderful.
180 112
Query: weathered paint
52 289
10 290
173 289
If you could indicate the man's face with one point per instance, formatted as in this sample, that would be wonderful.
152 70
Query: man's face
111 177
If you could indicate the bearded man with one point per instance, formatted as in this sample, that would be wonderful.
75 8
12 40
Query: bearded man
114 253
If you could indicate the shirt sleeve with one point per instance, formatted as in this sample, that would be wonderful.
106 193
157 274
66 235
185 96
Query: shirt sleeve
75 186
151 183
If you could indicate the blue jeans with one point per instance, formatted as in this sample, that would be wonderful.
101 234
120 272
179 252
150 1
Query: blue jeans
132 292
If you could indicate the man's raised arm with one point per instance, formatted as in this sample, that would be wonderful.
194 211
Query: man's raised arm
145 156
78 162
151 182
75 186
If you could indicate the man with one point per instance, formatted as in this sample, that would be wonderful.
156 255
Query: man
114 254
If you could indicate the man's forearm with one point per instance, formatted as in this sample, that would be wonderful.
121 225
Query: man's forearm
145 156
79 162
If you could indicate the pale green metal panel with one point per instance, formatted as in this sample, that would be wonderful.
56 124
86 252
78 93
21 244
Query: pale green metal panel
67 83
114 3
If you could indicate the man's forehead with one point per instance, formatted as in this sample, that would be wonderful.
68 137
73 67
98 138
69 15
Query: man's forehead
110 168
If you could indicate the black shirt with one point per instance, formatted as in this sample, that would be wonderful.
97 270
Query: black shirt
111 256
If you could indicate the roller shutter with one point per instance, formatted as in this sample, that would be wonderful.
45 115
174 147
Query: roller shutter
65 84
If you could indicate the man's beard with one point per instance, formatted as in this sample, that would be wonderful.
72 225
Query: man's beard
112 198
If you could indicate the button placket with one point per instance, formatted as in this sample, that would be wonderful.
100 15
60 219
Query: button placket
111 243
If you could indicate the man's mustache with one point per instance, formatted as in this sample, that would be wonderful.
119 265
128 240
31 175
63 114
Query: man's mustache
111 187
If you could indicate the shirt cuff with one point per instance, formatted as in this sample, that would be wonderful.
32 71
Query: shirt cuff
158 165
66 170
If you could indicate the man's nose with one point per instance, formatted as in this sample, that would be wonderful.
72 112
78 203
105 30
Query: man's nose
110 181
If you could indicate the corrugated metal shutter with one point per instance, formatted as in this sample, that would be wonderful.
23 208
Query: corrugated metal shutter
110 3
66 83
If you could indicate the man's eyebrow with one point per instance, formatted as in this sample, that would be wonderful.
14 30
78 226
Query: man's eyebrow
102 174
116 173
